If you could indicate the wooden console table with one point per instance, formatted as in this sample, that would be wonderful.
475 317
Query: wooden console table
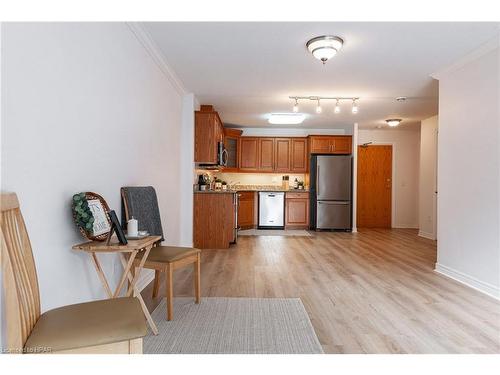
127 254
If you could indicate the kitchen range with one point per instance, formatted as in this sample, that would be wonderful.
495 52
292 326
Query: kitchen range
281 182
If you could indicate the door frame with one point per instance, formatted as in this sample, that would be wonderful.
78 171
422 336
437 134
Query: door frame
393 171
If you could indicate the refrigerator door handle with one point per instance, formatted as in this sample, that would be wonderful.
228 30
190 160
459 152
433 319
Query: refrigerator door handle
317 179
334 202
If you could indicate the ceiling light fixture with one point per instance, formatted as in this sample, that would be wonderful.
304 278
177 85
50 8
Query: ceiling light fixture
318 107
286 118
354 106
337 107
393 121
338 99
324 47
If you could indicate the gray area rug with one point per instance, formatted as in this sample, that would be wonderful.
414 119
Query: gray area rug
233 326
274 232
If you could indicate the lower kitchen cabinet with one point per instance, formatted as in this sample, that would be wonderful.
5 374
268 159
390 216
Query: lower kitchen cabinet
246 210
297 210
214 219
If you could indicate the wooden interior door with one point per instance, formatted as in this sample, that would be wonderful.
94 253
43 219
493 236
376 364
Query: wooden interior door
374 191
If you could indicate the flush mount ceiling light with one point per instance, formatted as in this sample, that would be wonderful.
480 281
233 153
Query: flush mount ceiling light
286 118
393 121
324 47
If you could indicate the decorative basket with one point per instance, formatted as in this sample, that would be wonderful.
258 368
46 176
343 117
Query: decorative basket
103 236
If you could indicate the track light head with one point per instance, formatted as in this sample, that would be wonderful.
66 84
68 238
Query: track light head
337 107
354 107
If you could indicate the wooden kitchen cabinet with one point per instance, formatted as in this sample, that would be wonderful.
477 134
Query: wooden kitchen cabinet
279 155
320 145
208 132
246 210
266 154
342 145
298 155
297 210
249 154
214 220
282 154
337 144
232 145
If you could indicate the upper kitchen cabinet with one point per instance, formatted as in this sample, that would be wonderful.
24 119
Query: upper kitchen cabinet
208 132
282 154
337 144
249 154
320 145
266 154
232 145
298 155
342 145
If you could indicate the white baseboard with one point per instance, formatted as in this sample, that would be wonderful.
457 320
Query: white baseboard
405 226
145 278
470 281
428 235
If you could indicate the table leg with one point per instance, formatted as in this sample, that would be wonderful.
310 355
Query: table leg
135 275
101 275
126 270
137 294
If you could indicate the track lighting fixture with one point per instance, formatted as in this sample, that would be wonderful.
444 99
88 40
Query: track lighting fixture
318 99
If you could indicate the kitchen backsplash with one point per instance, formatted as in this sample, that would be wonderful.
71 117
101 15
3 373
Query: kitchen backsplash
259 178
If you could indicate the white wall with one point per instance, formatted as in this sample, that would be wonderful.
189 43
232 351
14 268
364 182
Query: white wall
190 104
405 151
427 203
84 108
469 171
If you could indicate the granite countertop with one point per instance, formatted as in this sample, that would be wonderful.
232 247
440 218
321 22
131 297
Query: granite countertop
215 191
256 188
267 188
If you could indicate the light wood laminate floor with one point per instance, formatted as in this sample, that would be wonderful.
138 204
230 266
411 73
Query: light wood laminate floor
369 292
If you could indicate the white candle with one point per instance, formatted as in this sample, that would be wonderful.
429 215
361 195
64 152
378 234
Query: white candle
132 227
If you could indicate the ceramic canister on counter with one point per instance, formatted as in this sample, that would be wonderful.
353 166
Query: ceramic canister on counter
133 227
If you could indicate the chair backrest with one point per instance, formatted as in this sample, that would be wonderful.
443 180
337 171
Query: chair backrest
141 203
20 283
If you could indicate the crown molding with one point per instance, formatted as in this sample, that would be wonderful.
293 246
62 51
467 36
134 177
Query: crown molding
158 57
489 46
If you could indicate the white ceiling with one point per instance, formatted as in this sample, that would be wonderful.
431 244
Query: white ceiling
248 70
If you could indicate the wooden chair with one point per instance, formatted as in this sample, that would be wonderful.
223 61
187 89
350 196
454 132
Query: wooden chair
161 258
108 326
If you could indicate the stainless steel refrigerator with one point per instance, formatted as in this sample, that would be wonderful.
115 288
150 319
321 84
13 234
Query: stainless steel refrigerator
331 192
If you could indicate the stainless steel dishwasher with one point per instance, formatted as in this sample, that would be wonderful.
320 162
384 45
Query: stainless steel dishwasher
271 210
